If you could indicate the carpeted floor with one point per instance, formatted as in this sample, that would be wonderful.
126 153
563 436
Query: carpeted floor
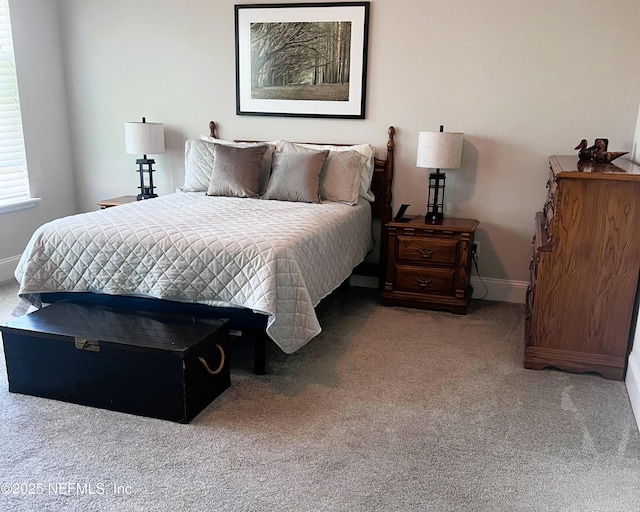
389 409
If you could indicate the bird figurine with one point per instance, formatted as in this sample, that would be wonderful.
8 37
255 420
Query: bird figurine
602 156
598 152
584 153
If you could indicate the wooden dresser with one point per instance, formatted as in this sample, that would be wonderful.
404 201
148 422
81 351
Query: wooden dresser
584 269
429 265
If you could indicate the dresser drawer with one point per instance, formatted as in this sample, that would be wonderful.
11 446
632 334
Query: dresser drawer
421 280
430 251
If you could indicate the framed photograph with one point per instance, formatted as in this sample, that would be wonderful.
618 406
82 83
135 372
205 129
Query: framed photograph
306 60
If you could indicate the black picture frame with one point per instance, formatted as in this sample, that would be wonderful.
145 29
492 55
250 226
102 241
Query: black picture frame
302 60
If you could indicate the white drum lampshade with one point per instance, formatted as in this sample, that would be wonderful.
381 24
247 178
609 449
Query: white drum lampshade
142 138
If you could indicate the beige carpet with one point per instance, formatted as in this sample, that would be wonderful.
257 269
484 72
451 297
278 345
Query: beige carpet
389 409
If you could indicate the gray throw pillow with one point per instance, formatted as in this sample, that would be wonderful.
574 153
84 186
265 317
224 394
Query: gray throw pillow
236 171
265 168
296 177
340 179
366 172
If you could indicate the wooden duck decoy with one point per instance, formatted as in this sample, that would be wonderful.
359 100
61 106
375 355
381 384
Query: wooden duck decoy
598 152
608 156
602 156
584 152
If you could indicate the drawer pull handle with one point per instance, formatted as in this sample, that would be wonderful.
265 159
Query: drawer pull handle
426 253
423 283
220 366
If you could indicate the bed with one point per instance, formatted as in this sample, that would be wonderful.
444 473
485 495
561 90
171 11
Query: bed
262 252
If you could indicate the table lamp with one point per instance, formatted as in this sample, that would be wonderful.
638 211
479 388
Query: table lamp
144 139
438 150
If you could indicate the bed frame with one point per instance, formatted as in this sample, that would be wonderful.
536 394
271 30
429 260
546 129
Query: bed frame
245 322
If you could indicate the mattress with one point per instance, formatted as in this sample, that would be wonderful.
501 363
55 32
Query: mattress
274 257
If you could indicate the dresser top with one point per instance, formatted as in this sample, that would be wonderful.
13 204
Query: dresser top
620 168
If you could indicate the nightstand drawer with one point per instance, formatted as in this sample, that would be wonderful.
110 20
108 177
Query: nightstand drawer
433 280
431 251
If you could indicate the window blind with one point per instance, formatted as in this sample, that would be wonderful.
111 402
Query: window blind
14 180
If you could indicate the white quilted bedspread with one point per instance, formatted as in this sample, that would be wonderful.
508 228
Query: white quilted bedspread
274 257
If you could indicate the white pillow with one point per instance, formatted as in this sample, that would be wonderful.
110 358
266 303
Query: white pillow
265 169
366 174
198 164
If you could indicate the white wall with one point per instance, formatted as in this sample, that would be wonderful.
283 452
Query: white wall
521 83
632 379
635 150
45 122
633 367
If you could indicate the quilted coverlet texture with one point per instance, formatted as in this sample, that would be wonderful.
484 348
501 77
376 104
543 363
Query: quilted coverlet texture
273 257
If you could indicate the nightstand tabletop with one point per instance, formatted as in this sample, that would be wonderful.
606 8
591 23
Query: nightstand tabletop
116 201
448 224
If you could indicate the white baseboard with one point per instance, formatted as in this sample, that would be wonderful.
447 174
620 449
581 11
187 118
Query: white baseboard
633 383
499 289
8 267
488 289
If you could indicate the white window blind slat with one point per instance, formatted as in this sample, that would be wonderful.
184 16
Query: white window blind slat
14 178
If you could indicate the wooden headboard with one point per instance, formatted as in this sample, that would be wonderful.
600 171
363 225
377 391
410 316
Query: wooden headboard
381 186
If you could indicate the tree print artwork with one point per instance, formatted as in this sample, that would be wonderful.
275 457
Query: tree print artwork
300 60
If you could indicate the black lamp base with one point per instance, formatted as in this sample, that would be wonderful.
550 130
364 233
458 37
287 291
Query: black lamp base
433 218
435 206
146 194
146 191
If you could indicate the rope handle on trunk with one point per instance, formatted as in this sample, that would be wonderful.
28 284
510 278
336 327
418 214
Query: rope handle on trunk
219 369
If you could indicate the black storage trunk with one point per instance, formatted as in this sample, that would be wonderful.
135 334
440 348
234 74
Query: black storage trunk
163 366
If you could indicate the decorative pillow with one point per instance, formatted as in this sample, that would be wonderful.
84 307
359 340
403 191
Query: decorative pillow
340 177
236 171
366 173
296 176
198 163
265 168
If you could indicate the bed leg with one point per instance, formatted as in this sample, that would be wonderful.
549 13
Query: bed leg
259 355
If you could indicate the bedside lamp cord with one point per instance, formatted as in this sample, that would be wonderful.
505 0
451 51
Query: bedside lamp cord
475 263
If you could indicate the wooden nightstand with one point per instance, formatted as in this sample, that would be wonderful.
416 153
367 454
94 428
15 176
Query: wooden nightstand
429 265
116 201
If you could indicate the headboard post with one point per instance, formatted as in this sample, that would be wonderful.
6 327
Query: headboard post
386 213
388 177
